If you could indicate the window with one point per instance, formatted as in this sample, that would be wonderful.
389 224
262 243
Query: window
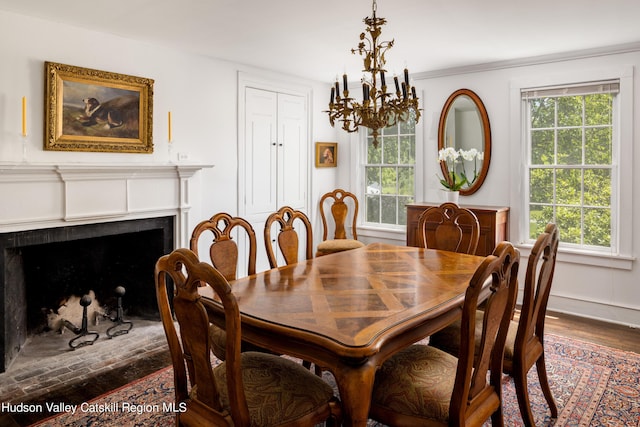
389 172
571 165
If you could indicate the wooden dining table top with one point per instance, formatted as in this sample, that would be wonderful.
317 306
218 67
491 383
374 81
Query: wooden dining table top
350 311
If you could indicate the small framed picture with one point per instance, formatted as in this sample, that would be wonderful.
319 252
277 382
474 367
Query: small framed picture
326 154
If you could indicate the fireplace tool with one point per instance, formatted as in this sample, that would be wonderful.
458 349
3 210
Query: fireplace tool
83 335
121 327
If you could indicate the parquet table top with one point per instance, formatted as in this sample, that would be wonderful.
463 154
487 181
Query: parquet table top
353 296
350 311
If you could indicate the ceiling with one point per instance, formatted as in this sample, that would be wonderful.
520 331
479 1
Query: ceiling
314 39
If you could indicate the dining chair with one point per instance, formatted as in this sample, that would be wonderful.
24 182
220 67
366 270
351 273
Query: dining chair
223 255
223 251
338 202
289 244
449 227
288 241
525 340
423 385
247 389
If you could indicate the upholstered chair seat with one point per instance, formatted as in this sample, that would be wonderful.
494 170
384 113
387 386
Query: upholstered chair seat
218 339
337 245
448 339
417 382
278 391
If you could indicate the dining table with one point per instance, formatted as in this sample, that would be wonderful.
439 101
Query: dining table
348 312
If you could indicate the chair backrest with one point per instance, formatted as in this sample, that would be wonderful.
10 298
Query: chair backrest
537 287
472 391
191 350
223 251
340 201
449 227
288 241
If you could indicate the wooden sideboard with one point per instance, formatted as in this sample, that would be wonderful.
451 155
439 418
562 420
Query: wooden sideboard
494 225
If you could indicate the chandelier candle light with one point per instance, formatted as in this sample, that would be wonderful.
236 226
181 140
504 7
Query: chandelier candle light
378 108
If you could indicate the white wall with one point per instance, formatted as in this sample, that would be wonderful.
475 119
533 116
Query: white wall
200 92
587 290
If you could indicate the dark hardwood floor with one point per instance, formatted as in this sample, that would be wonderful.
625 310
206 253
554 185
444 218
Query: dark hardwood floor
607 334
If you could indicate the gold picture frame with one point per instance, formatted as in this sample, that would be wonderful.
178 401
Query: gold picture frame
326 154
97 111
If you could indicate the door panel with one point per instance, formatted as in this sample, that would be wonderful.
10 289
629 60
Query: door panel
260 162
292 154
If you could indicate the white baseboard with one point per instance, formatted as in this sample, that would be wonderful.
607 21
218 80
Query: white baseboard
626 316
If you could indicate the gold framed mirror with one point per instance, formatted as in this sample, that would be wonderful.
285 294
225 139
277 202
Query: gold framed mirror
464 125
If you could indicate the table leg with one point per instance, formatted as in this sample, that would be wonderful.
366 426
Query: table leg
355 384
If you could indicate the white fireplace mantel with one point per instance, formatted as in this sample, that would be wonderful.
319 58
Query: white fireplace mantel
38 196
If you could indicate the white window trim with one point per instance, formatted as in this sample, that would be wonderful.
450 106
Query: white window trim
624 257
356 143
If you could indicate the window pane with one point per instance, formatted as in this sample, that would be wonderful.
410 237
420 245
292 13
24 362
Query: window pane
539 217
542 112
391 130
374 155
569 221
402 209
389 210
599 109
373 208
542 147
409 126
597 187
390 149
598 146
541 184
597 227
373 180
570 111
407 150
389 180
570 146
405 182
568 186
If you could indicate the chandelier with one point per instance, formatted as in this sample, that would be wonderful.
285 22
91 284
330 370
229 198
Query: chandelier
379 108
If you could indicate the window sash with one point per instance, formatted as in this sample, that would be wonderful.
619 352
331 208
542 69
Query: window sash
381 206
611 87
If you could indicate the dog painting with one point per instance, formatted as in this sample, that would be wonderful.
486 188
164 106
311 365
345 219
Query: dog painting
111 114
100 111
93 110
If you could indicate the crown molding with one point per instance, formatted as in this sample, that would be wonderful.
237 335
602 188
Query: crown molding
533 60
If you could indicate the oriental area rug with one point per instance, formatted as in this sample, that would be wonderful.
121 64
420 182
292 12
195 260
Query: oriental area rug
593 386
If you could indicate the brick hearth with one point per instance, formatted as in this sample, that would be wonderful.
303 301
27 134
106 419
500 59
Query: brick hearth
47 362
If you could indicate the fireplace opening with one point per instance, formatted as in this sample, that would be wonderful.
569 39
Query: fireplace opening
42 268
56 271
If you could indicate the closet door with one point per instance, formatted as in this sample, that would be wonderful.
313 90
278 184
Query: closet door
261 153
292 151
275 163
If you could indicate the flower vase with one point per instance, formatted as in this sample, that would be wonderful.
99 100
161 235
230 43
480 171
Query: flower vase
452 196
